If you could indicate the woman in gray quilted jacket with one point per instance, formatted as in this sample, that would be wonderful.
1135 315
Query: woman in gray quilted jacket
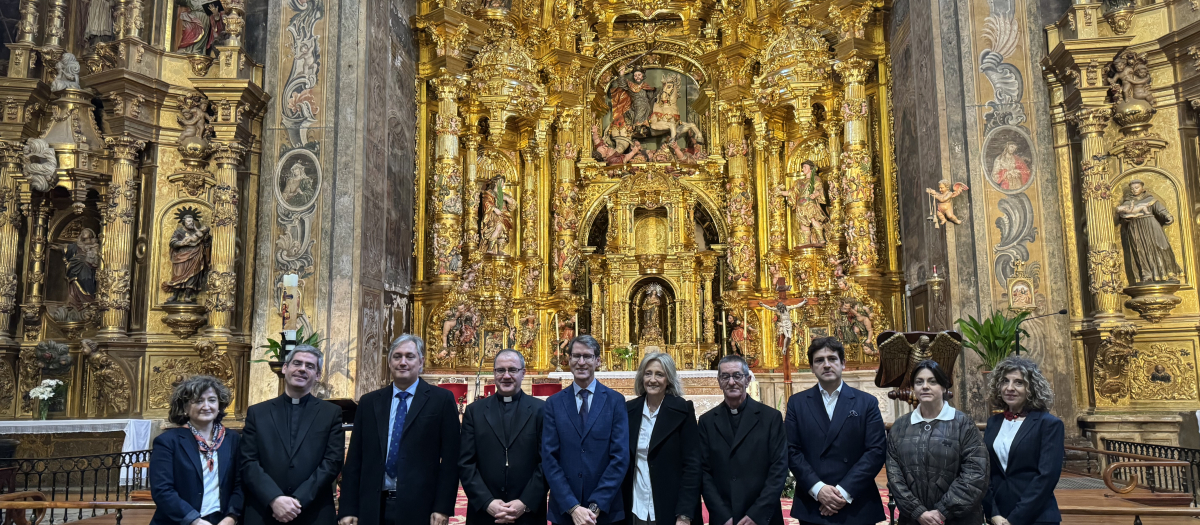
937 464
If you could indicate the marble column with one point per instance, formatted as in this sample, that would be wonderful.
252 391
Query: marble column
113 279
742 259
222 274
858 183
10 223
447 197
1104 254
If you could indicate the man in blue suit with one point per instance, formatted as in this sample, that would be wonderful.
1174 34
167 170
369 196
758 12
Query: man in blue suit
585 444
842 446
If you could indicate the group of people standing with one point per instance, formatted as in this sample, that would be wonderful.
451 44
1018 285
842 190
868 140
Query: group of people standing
602 459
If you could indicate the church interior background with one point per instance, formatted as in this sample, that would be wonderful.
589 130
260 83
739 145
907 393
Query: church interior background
182 179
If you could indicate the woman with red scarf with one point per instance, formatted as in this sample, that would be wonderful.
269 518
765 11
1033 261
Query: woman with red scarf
194 468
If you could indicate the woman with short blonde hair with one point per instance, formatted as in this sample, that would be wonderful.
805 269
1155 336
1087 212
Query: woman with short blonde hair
673 386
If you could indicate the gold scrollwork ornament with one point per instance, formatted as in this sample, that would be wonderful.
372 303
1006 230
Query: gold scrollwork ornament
1112 364
1104 271
1162 373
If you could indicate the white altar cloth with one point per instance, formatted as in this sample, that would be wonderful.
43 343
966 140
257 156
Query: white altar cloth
137 433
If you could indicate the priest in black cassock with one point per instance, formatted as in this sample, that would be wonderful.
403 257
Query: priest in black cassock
292 449
743 450
500 463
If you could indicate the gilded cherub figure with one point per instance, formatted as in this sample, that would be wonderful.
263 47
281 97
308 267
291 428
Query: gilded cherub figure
1129 78
944 209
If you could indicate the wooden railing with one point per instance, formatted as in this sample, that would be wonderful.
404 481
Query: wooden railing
15 504
1167 480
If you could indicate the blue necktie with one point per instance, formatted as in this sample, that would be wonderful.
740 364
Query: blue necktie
583 408
390 466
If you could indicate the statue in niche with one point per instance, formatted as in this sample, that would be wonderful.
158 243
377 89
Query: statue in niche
81 258
199 24
528 332
41 164
612 156
67 73
459 329
498 209
1149 257
665 114
807 195
944 210
99 26
191 249
1129 78
632 100
651 333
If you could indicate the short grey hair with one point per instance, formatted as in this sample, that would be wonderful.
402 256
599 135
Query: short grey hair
306 349
408 338
1041 394
734 358
674 386
509 351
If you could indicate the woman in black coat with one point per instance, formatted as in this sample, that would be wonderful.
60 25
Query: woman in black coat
663 482
194 468
1025 447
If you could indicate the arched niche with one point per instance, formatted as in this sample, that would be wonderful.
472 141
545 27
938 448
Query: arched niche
1169 191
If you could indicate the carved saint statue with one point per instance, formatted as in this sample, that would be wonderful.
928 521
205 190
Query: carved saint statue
498 208
67 75
99 26
41 164
197 28
853 325
82 258
651 331
616 154
1149 257
194 118
807 196
944 209
191 247
632 99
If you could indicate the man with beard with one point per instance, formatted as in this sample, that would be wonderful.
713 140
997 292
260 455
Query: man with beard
585 447
401 468
292 449
190 253
500 464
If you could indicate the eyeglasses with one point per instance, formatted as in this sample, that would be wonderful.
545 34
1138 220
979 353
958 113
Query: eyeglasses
296 363
509 371
582 357
736 376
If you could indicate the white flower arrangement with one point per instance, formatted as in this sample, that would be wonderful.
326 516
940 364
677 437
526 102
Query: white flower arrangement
46 390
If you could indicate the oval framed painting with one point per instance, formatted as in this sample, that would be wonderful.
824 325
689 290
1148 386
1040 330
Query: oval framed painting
298 180
1008 159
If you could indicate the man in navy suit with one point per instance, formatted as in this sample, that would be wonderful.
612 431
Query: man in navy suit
842 446
585 444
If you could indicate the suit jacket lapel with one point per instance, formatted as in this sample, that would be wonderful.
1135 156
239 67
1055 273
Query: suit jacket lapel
1032 420
669 417
306 421
520 419
748 422
492 410
724 426
817 408
989 440
279 416
595 405
840 411
383 418
418 403
193 451
568 407
635 423
223 457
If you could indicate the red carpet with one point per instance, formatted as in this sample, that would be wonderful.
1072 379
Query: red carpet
460 508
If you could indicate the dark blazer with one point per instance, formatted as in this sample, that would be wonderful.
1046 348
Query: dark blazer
743 473
847 451
494 464
428 477
177 480
1024 493
585 464
273 466
674 459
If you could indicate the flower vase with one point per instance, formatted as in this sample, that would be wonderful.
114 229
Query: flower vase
44 409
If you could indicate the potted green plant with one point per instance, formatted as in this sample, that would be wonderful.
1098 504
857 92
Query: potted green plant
625 354
993 339
273 351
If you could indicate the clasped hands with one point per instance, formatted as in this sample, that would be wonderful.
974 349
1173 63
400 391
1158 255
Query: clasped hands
831 500
931 517
506 512
285 508
744 521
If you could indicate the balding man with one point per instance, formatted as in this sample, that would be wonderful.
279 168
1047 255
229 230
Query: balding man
401 468
501 463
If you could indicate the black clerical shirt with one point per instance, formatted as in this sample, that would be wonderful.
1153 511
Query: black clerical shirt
508 407
735 414
295 410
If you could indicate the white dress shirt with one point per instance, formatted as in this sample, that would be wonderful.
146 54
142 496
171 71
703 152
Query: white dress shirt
591 388
212 487
388 482
830 403
1004 439
643 497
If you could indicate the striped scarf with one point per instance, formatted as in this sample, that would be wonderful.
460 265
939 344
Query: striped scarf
209 450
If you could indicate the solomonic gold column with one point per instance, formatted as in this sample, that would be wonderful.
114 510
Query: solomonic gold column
222 276
743 264
10 221
777 235
120 210
471 192
832 177
447 194
858 180
566 202
529 203
1104 256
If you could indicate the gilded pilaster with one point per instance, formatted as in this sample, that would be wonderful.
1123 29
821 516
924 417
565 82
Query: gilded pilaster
1104 255
708 268
858 182
566 201
833 179
777 232
21 57
113 279
529 203
742 252
447 194
10 222
471 191
222 279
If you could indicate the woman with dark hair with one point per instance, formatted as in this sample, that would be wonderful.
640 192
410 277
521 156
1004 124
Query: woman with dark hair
193 469
1025 446
937 466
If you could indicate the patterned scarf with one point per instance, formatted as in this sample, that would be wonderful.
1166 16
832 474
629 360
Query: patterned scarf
209 450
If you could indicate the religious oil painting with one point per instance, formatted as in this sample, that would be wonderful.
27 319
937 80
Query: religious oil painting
1008 159
298 180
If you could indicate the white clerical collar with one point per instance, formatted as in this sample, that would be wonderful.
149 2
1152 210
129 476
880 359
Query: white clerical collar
295 401
506 399
947 414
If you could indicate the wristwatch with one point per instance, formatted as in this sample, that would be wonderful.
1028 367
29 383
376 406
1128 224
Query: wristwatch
595 509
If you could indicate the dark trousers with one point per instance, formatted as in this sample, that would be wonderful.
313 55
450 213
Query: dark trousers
387 508
634 520
214 518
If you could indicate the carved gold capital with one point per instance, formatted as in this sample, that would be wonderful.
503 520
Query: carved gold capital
854 70
851 20
447 84
1091 120
568 118
1104 271
228 153
124 147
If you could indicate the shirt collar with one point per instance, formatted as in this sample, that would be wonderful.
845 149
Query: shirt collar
591 388
514 397
836 392
293 401
947 414
646 410
412 389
